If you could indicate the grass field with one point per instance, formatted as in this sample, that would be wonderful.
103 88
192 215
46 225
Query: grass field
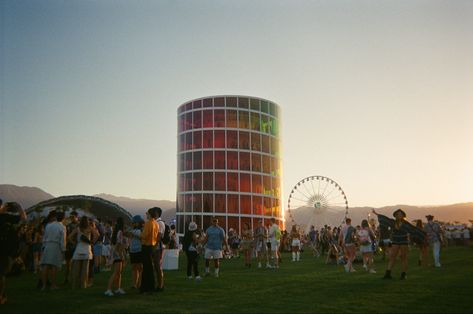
305 286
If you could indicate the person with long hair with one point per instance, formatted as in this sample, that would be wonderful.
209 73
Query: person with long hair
82 253
423 246
190 247
118 256
247 243
295 243
401 229
54 244
365 236
136 257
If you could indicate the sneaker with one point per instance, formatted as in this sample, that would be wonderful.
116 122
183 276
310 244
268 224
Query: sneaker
109 293
438 265
387 275
120 291
268 266
372 271
259 265
353 270
190 277
198 278
403 276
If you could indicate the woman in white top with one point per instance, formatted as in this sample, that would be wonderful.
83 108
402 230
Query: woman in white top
82 253
295 243
365 236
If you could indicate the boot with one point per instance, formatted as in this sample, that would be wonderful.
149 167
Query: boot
403 276
387 275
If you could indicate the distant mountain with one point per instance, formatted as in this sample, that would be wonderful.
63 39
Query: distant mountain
139 206
456 213
25 196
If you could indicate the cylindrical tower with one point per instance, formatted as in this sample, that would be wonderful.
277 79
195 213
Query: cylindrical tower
229 162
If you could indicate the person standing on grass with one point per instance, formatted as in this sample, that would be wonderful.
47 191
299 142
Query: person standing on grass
136 257
401 229
149 240
247 243
118 255
214 241
82 253
190 247
435 238
365 236
347 240
8 240
261 234
295 243
423 246
71 243
158 253
274 236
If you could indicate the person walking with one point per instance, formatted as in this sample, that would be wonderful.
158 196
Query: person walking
54 244
365 236
149 240
347 240
401 228
435 237
295 243
214 241
189 246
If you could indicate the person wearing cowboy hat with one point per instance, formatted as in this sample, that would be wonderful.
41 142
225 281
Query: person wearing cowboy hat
401 229
434 235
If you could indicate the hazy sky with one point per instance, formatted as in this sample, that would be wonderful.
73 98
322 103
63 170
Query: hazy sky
377 95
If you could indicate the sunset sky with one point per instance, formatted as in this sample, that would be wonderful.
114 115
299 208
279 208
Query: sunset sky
377 95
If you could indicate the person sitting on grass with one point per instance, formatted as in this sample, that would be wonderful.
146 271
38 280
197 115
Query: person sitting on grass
401 229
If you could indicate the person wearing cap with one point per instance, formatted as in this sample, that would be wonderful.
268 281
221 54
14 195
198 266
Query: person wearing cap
435 236
149 240
401 229
214 240
189 246
136 258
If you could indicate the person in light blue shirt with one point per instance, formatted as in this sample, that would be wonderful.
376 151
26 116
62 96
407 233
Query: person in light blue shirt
214 241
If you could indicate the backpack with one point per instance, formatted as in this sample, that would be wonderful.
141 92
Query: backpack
167 235
350 236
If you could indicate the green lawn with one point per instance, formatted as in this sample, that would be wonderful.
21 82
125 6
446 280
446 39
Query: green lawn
306 286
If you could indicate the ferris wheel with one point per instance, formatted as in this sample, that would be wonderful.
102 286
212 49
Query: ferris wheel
317 201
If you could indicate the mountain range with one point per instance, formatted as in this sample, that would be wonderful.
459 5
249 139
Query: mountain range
455 213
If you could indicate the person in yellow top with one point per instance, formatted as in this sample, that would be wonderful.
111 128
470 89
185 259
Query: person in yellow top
149 240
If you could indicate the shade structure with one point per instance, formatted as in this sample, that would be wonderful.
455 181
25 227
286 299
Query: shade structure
229 162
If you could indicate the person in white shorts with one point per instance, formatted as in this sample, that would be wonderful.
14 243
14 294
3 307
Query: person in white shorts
214 240
274 236
295 244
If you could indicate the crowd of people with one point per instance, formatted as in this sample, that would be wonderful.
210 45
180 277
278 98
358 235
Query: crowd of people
84 246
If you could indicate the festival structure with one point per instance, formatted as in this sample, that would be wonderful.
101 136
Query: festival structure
229 162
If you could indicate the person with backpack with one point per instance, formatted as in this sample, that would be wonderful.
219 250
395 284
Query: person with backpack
347 240
275 237
8 240
365 236
189 246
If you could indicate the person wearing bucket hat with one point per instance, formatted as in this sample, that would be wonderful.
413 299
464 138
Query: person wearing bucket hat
189 245
401 229
435 237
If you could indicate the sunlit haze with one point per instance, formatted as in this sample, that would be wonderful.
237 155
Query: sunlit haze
377 95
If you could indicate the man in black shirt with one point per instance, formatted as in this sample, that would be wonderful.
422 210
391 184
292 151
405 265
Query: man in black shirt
8 240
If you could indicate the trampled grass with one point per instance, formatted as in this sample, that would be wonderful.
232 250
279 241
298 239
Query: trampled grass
305 286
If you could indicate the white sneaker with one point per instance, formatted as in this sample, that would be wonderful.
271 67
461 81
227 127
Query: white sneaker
438 265
190 277
120 291
352 270
109 293
372 271
198 278
268 266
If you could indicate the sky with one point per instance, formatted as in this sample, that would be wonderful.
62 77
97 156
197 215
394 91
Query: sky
377 95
